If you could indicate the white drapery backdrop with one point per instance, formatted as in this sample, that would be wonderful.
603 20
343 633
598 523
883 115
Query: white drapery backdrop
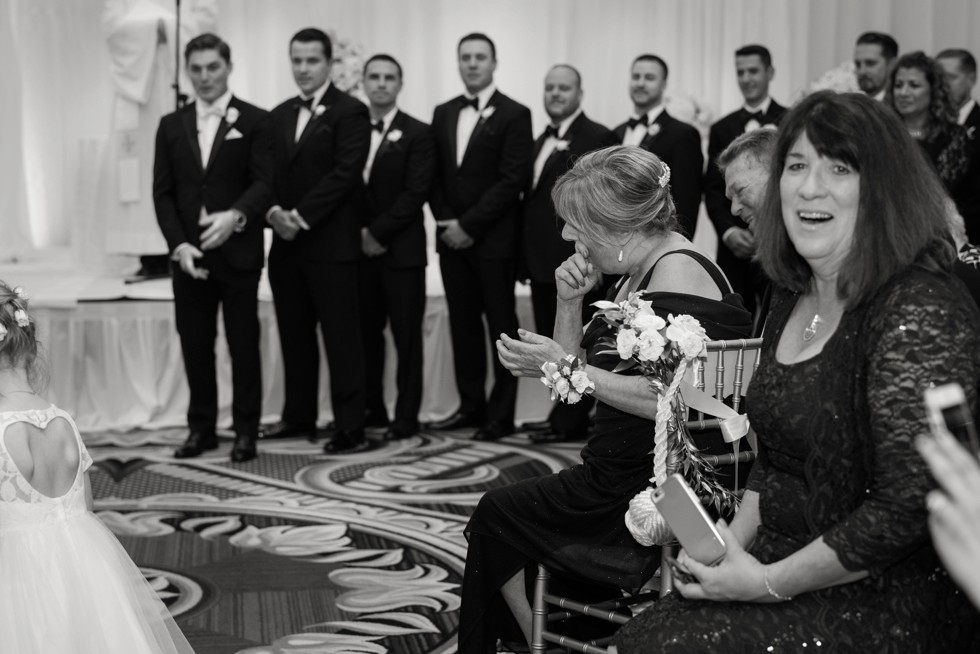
55 104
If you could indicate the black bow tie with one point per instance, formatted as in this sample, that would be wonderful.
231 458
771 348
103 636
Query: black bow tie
308 103
642 120
378 127
472 102
551 131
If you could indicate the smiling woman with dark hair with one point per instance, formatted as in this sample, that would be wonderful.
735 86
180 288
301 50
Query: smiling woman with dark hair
830 548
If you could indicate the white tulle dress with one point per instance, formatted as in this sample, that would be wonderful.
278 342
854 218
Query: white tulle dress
66 584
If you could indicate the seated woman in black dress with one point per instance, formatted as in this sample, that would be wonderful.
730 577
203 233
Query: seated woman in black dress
830 549
618 210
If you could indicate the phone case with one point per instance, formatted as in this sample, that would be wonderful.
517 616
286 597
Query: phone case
690 523
946 406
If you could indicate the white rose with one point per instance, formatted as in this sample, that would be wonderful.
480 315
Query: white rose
581 381
651 346
573 397
561 386
231 116
688 334
394 135
646 320
625 342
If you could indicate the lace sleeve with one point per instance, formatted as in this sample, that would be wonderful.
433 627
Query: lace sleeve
923 333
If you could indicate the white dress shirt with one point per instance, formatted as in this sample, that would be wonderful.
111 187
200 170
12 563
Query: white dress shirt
209 117
468 118
305 114
376 140
636 135
965 111
550 144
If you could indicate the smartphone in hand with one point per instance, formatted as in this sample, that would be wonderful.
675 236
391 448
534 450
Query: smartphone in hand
687 518
947 409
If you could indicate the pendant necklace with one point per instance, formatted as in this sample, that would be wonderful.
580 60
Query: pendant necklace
811 330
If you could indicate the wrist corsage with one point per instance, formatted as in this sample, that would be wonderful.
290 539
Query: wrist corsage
567 379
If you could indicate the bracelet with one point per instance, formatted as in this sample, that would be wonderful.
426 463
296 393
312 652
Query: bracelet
769 588
567 379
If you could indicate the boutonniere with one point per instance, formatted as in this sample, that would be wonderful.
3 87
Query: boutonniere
653 129
561 145
394 135
319 110
752 125
487 112
231 116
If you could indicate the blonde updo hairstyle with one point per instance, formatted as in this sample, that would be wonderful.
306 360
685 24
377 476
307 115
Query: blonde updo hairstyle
612 193
19 346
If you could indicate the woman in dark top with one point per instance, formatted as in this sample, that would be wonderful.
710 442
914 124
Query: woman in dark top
920 94
618 210
830 549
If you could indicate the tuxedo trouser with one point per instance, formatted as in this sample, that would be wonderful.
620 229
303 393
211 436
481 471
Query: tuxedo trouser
308 293
396 295
196 304
475 287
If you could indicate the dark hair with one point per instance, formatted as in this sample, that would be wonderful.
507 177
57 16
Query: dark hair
758 144
901 218
654 58
19 344
578 75
478 36
207 42
614 191
941 110
383 57
760 51
889 46
312 34
967 62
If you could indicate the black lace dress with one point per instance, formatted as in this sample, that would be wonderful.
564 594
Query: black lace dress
573 521
837 459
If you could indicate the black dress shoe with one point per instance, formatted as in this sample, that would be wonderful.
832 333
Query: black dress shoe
283 429
493 431
538 425
458 420
346 442
196 443
400 432
243 449
375 419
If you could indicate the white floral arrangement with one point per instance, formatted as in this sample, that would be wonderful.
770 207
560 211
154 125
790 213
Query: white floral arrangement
567 379
394 135
231 116
347 65
561 145
662 350
842 79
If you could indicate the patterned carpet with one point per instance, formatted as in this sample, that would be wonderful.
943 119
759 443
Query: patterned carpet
298 552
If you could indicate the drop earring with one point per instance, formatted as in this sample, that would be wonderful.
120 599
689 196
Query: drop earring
620 257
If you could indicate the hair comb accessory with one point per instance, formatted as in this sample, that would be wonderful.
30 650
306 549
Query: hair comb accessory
21 317
665 178
19 292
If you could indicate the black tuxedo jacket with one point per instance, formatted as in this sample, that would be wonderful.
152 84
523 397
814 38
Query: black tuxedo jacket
238 176
483 192
679 146
400 182
544 248
972 123
722 134
319 175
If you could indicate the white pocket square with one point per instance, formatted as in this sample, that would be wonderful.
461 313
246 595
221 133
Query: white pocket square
233 134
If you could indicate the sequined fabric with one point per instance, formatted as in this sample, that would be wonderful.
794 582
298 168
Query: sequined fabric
837 460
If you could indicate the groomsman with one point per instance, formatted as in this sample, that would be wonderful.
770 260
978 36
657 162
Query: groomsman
483 147
398 178
676 143
211 185
569 135
961 75
874 54
753 67
320 145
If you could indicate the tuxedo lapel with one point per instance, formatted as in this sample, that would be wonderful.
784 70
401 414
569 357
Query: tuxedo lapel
480 122
386 145
219 138
189 119
661 123
452 120
327 101
569 138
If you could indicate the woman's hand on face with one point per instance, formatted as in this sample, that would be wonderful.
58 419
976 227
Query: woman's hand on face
524 357
739 576
576 276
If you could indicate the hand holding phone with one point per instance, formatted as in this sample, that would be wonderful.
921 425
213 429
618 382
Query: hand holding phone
687 518
947 409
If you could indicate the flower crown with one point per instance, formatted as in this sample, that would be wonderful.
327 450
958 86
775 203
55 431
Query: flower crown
20 314
664 179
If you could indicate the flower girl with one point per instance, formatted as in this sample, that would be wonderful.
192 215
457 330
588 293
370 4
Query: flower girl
66 584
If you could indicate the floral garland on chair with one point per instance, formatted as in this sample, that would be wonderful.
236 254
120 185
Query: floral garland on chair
663 351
